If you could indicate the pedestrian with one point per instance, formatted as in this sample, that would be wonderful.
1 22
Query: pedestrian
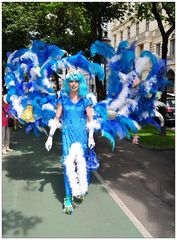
75 112
5 128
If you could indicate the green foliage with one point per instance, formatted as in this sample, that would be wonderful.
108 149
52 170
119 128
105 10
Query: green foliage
73 26
69 25
150 136
100 13
143 10
63 24
17 21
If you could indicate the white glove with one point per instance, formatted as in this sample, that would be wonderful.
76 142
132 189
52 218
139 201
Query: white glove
91 143
48 144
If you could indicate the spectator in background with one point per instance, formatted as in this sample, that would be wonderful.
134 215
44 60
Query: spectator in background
5 128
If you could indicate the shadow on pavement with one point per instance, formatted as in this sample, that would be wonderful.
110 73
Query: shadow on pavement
145 179
30 161
132 171
17 223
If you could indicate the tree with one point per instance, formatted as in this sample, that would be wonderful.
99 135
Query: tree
63 24
164 14
100 13
73 26
17 21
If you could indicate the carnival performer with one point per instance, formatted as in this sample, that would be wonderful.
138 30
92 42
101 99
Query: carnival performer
75 112
130 104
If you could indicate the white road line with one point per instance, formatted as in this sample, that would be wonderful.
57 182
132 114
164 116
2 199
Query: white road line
130 215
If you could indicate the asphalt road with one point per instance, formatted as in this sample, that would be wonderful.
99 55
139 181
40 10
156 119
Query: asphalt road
144 180
33 193
132 195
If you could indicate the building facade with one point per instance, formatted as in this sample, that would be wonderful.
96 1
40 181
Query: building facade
147 37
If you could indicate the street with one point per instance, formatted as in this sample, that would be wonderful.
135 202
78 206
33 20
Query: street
33 192
144 180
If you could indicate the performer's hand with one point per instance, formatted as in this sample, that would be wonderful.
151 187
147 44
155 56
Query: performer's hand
91 143
48 144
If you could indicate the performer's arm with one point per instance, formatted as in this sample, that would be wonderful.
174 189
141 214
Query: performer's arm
53 124
59 112
89 113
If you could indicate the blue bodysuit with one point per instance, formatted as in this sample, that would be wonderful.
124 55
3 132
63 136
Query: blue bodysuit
74 133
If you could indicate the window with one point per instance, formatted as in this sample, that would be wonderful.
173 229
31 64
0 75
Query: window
147 25
115 44
172 47
121 35
158 49
137 28
128 32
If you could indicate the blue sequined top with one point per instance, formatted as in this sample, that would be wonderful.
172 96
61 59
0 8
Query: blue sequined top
73 122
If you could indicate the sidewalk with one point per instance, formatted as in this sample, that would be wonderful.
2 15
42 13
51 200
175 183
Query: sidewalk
33 193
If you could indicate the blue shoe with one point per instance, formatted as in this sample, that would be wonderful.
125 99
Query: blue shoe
67 205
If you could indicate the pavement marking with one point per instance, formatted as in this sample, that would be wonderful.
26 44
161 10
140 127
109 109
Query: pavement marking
125 209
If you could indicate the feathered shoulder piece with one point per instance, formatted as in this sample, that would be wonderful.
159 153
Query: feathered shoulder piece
92 97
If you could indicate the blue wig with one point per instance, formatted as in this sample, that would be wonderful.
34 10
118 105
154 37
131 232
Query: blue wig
83 89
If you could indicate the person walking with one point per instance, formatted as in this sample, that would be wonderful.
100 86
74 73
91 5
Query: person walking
5 128
75 112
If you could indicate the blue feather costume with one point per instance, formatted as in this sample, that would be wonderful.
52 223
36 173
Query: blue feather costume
130 103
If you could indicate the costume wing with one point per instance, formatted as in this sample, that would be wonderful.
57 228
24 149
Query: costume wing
28 81
132 100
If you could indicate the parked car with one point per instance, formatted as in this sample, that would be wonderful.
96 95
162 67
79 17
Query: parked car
170 110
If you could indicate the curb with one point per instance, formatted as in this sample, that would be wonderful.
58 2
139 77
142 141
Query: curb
152 147
156 148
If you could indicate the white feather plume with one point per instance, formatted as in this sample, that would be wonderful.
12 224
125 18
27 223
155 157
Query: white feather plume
11 83
141 64
120 100
46 82
145 114
160 117
48 106
137 125
93 97
122 76
77 179
93 125
16 103
115 58
11 56
54 124
31 55
159 104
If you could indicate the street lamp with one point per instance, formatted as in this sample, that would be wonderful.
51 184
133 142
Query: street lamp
107 40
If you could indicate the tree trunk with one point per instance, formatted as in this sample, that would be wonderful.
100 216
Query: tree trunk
164 93
164 46
165 36
96 33
99 89
99 84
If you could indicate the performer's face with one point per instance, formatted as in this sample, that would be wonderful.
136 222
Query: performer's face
74 85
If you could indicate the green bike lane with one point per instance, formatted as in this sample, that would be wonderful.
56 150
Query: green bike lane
33 193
